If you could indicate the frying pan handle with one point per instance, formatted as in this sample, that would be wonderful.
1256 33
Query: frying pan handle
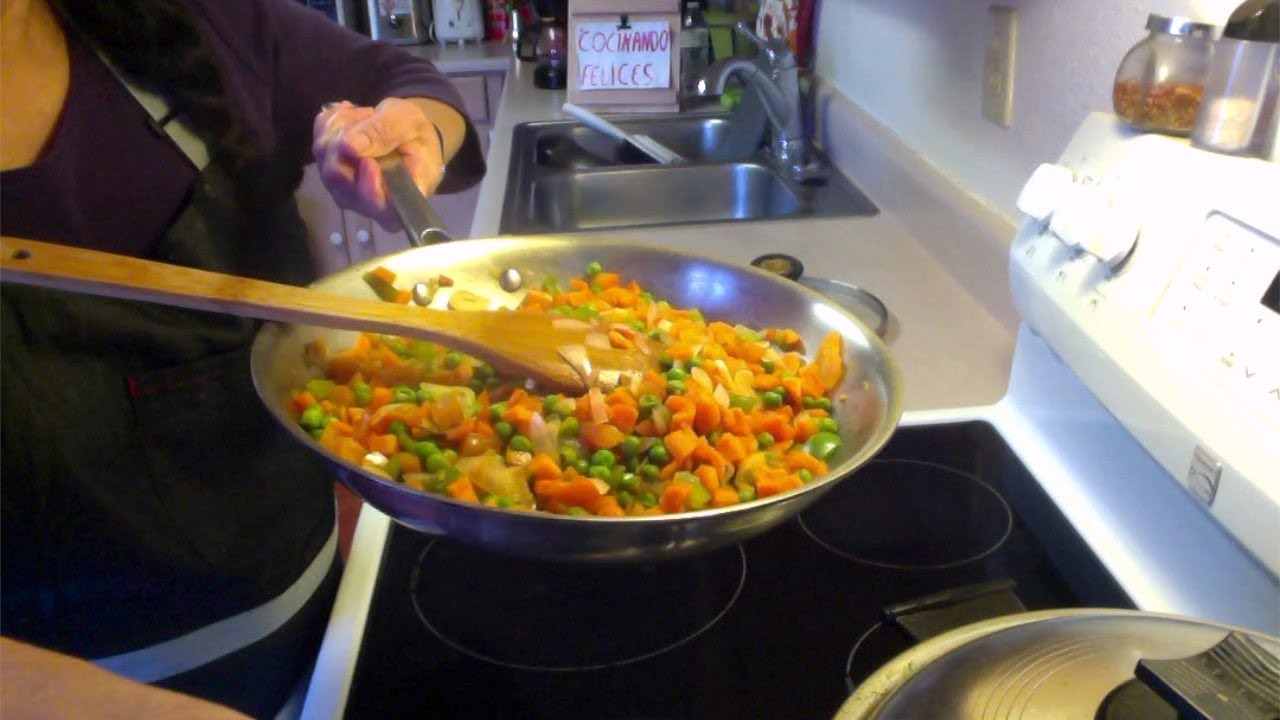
422 224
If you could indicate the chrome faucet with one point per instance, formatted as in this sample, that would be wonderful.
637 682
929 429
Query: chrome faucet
775 75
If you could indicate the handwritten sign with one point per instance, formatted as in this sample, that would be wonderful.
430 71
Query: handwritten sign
633 58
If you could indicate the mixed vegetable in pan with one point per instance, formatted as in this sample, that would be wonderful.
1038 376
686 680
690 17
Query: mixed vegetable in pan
737 414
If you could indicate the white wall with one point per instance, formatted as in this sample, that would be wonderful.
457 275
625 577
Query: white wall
916 65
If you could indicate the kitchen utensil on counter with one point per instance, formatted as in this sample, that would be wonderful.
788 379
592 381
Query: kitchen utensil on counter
1238 115
746 129
643 143
868 399
862 304
402 22
456 21
1078 664
1160 82
552 55
527 344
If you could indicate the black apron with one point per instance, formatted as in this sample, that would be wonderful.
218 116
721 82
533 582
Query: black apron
147 493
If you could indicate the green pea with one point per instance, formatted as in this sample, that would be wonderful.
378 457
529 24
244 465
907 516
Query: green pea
316 433
628 481
676 373
823 445
805 476
362 391
582 465
425 449
695 362
505 502
397 427
520 443
746 402
496 410
659 454
821 403
665 361
650 472
576 511
569 427
603 457
765 440
647 499
452 360
746 494
768 366
504 429
675 387
568 455
599 472
630 446
594 268
313 418
649 402
484 372
404 394
827 424
625 499
436 462
772 399
550 405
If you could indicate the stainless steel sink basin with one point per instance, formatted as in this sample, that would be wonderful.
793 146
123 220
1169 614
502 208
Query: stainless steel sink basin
565 178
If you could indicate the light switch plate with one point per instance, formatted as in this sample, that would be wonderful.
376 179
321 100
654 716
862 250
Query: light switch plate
997 78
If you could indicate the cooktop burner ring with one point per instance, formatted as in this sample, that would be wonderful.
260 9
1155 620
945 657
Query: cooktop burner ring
733 577
991 515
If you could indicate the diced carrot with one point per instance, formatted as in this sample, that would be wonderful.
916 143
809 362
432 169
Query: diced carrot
579 492
681 444
724 496
409 463
349 449
578 298
601 435
460 431
799 460
385 444
617 340
765 382
606 280
462 489
304 400
683 412
706 454
380 396
618 297
830 359
674 497
708 476
624 417
385 275
731 447
608 506
707 414
542 467
342 396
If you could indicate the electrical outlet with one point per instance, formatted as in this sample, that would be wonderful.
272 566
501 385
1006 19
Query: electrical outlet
997 78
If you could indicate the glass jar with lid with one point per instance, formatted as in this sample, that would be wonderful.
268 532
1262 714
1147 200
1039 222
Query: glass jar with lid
1161 80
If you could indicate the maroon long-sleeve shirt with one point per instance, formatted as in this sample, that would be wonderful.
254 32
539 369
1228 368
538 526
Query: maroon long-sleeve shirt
106 181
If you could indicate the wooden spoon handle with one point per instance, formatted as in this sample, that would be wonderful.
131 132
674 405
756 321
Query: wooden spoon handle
98 273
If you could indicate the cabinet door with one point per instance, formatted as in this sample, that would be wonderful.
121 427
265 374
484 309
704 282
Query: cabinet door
326 226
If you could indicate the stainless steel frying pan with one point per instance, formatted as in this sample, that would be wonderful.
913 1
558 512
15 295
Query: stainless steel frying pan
868 402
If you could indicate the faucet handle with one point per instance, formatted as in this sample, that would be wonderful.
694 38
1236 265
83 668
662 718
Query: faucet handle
775 50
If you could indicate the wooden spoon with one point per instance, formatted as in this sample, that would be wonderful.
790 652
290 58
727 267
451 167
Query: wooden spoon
523 344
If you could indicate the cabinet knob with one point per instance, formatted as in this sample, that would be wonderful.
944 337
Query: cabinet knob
363 236
335 239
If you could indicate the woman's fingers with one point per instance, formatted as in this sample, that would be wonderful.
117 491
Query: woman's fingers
347 140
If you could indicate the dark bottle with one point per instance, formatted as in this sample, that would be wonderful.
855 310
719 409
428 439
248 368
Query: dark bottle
1254 20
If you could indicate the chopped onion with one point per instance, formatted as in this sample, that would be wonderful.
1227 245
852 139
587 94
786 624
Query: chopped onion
661 419
651 315
601 485
564 323
701 377
599 413
576 356
721 395
597 340
540 437
742 382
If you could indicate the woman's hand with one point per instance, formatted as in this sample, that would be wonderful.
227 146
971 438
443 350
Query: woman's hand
348 139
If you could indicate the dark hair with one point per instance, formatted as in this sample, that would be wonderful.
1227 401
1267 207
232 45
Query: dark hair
157 44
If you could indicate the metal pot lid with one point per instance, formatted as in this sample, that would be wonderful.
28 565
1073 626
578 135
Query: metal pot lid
1060 664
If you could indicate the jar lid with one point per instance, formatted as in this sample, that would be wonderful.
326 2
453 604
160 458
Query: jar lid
1178 25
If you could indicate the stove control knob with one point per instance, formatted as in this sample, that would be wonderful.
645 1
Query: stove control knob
1078 215
1114 237
1045 191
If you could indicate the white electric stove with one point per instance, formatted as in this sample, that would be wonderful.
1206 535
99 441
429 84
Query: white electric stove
1134 462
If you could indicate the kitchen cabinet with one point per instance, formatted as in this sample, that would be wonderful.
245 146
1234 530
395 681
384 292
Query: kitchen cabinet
339 237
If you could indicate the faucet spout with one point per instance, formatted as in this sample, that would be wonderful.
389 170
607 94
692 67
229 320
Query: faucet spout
776 77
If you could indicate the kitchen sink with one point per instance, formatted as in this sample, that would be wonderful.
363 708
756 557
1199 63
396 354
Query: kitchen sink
565 177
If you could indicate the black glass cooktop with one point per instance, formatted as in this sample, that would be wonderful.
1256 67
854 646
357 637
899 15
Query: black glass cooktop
944 527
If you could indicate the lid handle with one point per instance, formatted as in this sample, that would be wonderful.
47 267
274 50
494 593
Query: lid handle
1237 678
